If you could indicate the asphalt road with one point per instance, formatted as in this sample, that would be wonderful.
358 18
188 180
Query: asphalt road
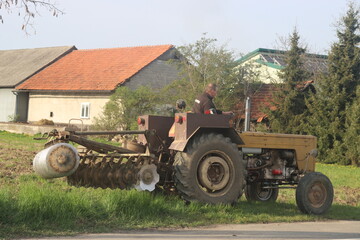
340 230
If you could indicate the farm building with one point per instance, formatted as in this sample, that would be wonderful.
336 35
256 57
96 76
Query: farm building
16 66
79 85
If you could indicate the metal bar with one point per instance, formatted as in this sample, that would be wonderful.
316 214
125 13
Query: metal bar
118 155
108 132
247 114
96 146
77 119
278 187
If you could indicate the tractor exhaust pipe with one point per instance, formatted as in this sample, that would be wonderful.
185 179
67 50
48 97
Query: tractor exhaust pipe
247 115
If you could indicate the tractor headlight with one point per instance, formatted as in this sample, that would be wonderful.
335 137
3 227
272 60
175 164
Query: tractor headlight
314 153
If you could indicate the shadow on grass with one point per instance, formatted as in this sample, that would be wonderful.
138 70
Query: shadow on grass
290 211
344 212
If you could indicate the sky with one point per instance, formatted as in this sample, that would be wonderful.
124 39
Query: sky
243 25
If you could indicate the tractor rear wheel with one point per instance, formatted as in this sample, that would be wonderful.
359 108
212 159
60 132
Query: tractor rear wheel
256 192
314 193
210 170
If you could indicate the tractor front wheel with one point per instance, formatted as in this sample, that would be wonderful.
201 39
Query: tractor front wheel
314 193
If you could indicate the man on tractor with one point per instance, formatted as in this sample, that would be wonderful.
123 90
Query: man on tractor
204 103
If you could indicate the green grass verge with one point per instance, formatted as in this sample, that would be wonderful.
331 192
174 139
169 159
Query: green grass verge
31 206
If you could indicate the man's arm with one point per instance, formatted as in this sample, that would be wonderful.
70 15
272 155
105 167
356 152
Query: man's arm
210 105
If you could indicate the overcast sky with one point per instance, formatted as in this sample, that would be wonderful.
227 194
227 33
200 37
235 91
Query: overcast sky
244 25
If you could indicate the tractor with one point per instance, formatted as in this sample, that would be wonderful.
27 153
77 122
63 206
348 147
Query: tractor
199 157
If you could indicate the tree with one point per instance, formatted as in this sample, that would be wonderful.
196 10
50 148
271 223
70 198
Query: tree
200 63
336 91
124 106
28 9
289 101
242 82
352 133
204 62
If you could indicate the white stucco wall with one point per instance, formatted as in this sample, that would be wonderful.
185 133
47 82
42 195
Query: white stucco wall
7 104
64 107
266 74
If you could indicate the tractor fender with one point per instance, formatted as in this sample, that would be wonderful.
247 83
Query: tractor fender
180 144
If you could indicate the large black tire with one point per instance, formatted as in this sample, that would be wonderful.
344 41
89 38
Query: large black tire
314 193
210 170
255 192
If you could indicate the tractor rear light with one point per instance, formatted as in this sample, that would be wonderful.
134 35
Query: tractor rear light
210 111
276 172
140 121
179 119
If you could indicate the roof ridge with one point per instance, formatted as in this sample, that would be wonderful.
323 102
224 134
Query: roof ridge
129 47
258 51
22 49
269 50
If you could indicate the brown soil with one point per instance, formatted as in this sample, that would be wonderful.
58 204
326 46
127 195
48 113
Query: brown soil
347 195
15 162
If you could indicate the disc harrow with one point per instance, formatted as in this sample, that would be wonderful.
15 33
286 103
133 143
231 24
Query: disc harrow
100 165
109 171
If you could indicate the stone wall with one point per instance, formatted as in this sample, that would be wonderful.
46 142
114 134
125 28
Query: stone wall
28 128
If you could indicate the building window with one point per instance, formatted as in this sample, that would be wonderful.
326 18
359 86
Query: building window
85 110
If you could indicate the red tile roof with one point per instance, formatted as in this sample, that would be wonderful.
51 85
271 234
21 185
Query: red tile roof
94 70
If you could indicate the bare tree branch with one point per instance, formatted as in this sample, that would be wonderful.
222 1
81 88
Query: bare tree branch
28 9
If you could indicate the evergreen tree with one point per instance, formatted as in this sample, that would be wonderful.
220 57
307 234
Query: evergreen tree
352 134
289 100
336 91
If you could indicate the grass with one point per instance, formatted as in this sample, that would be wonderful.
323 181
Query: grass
31 206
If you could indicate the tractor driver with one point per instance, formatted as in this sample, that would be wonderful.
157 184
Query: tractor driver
204 103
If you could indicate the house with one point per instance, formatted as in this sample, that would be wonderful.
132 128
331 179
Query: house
15 67
78 85
262 98
269 62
